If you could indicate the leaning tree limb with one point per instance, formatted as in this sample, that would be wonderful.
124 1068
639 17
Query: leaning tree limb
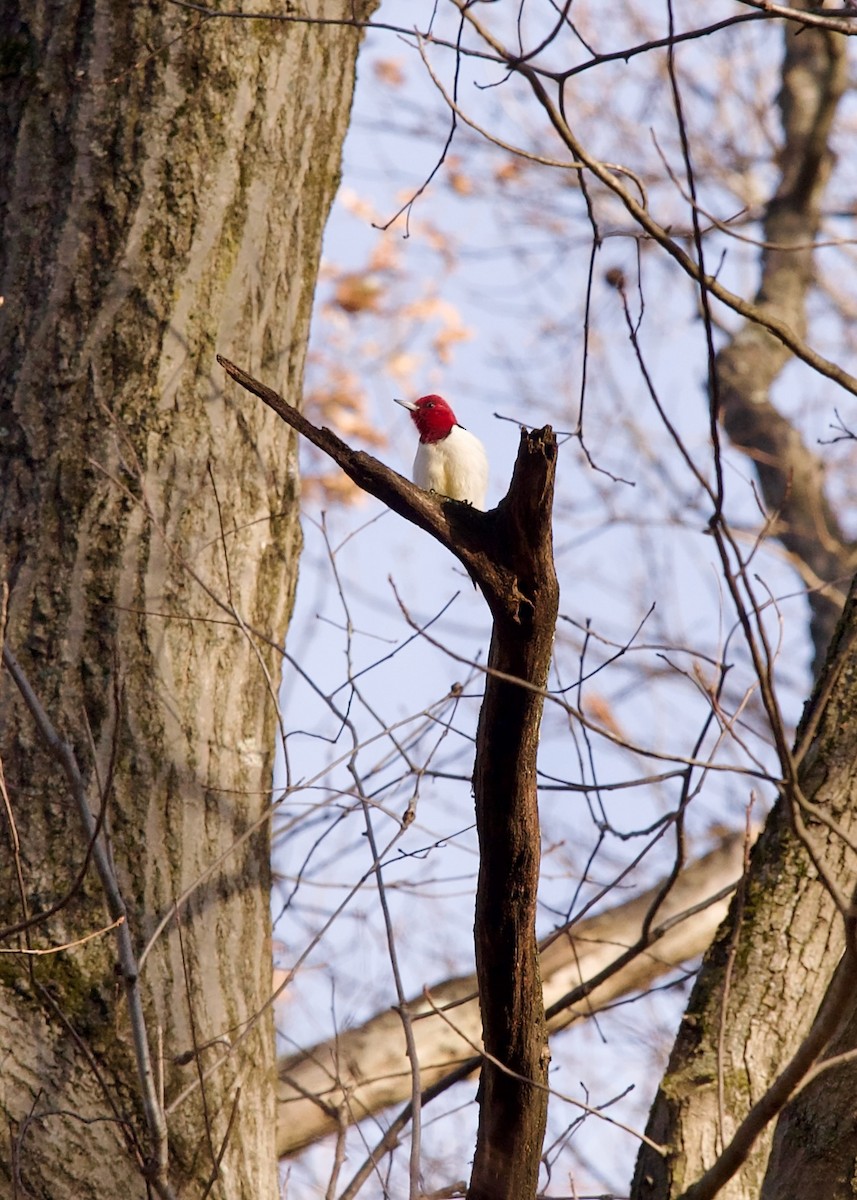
585 966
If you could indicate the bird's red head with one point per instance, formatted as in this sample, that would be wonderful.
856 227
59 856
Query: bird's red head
433 418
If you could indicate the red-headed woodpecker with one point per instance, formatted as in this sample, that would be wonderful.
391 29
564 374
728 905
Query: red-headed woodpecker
449 461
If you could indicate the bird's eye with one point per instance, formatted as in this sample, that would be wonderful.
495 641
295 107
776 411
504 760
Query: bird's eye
430 404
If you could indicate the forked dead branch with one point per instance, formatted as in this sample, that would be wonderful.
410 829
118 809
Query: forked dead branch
509 555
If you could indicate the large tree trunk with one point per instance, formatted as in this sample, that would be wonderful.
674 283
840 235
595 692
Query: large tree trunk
815 1143
164 182
758 998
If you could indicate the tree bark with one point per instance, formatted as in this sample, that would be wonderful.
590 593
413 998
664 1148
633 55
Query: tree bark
513 1084
767 974
164 183
815 1142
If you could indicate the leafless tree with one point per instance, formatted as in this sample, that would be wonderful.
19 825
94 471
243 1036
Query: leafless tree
167 174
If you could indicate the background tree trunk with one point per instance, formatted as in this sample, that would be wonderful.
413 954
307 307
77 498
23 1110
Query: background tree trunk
791 474
165 182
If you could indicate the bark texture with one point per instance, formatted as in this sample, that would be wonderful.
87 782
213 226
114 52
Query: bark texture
814 79
164 182
767 974
814 1152
513 1084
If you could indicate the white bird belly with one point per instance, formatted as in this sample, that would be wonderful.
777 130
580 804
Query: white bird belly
456 466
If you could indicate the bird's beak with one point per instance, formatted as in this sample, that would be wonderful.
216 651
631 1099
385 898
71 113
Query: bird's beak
406 404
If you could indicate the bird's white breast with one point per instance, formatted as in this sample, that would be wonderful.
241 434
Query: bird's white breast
456 466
